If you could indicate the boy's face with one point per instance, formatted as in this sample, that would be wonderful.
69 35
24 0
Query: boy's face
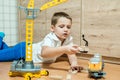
62 28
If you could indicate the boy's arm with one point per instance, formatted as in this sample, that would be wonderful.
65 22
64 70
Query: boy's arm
73 60
50 52
74 63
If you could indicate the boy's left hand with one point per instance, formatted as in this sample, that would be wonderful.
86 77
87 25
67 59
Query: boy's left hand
77 68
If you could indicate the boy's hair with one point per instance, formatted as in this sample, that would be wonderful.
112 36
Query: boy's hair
57 15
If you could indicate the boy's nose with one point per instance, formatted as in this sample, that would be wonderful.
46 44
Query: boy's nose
65 28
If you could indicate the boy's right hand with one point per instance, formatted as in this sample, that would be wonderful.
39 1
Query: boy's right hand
83 49
72 49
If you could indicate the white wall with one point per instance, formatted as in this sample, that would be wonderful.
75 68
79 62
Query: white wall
9 21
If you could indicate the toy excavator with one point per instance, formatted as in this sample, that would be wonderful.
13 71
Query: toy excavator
26 68
96 66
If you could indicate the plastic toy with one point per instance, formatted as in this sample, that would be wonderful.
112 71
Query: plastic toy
26 67
96 66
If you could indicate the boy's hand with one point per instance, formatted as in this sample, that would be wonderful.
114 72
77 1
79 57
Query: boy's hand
72 49
84 49
76 68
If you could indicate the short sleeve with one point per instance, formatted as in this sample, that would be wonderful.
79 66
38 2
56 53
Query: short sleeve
48 42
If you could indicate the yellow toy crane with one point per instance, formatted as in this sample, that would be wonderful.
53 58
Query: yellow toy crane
26 68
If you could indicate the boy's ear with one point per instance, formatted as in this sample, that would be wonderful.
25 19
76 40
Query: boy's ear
52 28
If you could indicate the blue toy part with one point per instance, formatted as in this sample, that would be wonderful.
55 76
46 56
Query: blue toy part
97 74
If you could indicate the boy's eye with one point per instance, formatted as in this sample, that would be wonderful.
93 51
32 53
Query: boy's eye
61 26
69 27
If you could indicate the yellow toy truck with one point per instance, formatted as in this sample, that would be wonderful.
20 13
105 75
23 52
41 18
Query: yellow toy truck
95 66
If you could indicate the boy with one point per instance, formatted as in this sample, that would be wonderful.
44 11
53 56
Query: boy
56 43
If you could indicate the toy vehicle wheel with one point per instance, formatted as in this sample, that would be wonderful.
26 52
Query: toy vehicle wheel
44 73
28 76
47 73
10 74
89 75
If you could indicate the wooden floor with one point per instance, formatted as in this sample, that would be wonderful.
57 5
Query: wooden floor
60 69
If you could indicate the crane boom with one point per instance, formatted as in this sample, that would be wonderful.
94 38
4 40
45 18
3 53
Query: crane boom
51 4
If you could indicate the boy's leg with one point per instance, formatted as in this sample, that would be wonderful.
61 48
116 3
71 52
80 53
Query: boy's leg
1 38
4 45
19 50
13 53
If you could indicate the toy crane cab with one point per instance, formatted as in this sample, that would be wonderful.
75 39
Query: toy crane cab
96 66
26 68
